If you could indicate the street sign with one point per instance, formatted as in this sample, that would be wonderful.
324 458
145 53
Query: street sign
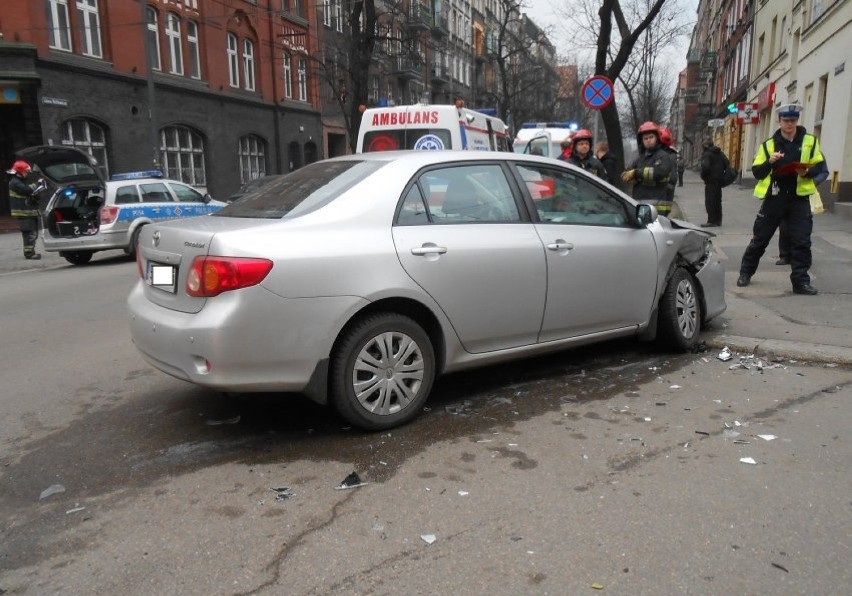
597 93
716 122
748 113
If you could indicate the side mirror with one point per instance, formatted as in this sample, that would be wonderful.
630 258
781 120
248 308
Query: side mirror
646 214
207 197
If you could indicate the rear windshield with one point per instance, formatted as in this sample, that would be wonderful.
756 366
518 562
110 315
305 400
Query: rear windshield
78 172
406 138
300 192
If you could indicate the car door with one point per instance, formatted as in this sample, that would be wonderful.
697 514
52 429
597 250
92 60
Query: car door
191 201
601 267
460 235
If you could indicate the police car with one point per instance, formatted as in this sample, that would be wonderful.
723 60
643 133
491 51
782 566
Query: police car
85 214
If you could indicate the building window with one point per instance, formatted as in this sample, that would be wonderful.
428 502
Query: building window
303 79
88 10
58 25
175 49
252 154
248 64
89 137
233 61
326 13
154 40
192 45
288 76
374 90
182 151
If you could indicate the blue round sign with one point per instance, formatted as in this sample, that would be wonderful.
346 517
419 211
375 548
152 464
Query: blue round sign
429 142
597 93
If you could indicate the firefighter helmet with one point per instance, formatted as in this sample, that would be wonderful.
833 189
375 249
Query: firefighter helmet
645 128
666 137
20 167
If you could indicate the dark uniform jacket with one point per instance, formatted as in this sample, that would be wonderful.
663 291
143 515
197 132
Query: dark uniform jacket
613 176
653 168
22 199
591 164
713 165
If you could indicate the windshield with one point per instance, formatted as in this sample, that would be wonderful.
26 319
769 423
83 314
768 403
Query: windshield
302 191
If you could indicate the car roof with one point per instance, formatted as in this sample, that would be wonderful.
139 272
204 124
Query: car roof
425 158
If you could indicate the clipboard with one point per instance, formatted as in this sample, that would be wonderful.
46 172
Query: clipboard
790 168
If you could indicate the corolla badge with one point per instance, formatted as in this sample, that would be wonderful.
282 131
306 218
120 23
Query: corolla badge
157 238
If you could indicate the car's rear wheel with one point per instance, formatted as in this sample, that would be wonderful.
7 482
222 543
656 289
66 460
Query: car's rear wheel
134 242
77 257
382 371
679 319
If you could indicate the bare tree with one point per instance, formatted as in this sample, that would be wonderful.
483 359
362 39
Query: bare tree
611 29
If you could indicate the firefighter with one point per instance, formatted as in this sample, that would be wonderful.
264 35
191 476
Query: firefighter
581 154
651 171
24 206
667 141
788 166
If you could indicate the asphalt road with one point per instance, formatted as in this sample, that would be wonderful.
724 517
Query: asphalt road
613 467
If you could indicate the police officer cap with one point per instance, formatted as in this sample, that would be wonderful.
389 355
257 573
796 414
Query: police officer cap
790 110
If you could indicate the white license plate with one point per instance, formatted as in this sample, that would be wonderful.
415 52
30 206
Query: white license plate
162 277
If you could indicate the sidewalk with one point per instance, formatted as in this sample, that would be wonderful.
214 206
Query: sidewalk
766 318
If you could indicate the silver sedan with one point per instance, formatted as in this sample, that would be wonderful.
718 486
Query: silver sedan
357 280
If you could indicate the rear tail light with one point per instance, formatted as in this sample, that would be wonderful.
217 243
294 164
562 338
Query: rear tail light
108 214
210 276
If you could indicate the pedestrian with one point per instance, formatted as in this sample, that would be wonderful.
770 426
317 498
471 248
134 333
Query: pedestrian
581 154
609 161
24 206
566 146
667 142
681 166
788 166
713 166
651 171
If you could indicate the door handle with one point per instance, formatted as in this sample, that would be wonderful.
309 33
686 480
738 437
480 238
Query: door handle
560 245
429 249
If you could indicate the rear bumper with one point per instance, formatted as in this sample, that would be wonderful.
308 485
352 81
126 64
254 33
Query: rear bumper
103 240
253 340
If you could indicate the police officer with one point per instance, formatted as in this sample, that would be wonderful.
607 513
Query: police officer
788 166
581 154
651 171
24 206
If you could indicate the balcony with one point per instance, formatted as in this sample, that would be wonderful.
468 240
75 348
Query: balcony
419 17
440 26
404 67
440 74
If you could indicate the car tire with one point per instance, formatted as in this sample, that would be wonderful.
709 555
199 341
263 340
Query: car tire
77 257
679 321
376 390
134 242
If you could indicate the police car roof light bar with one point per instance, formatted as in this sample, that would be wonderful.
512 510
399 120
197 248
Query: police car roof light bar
137 175
547 125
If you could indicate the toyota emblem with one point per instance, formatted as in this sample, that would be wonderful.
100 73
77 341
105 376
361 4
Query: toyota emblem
157 238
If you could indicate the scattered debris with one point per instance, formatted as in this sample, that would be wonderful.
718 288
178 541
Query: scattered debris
351 481
701 432
742 442
647 419
463 493
233 420
730 434
282 493
428 538
767 437
76 509
748 460
725 354
660 403
674 387
51 490
781 567
597 586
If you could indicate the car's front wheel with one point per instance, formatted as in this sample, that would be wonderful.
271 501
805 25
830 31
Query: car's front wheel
382 371
77 257
680 312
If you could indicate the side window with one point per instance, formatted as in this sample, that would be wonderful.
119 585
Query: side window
155 192
126 194
465 194
413 211
561 196
186 194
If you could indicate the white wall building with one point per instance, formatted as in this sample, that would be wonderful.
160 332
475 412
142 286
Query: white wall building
803 51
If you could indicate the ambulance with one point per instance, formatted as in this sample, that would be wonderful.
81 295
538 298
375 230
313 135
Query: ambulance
430 128
543 137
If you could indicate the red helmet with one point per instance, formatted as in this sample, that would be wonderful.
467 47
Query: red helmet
666 137
646 127
20 167
582 135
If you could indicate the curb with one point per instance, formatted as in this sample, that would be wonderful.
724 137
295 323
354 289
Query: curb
779 349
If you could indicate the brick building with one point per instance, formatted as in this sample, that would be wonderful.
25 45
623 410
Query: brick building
213 92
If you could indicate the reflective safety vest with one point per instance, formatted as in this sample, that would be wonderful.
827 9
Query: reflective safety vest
811 155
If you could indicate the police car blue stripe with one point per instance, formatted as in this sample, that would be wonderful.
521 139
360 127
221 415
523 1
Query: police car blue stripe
155 212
